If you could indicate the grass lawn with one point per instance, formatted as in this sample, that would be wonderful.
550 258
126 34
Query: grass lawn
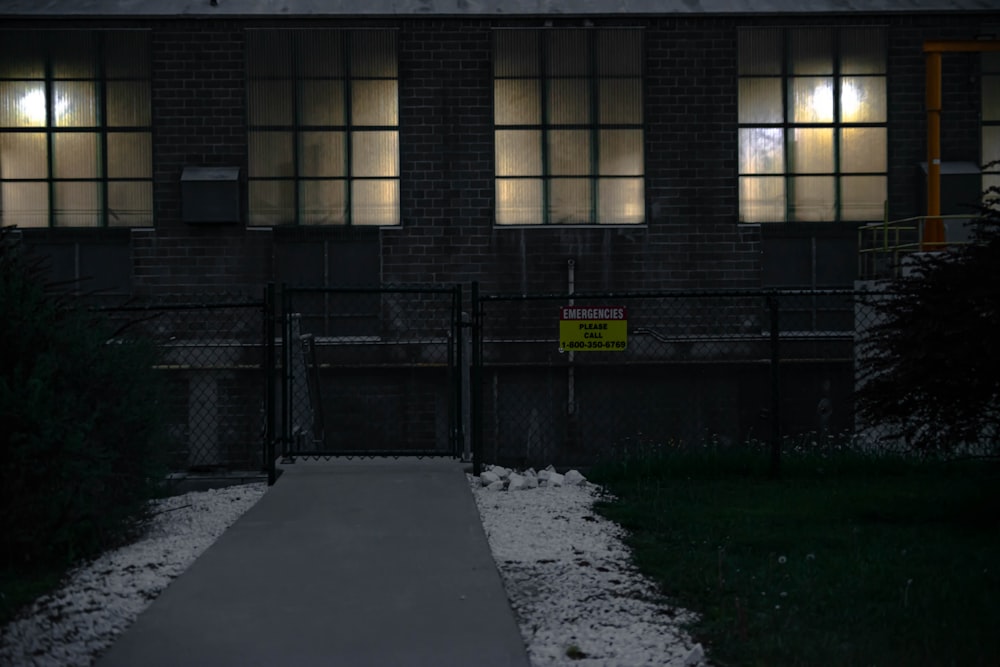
844 560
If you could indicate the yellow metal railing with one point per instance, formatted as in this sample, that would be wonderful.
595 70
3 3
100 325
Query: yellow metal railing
883 245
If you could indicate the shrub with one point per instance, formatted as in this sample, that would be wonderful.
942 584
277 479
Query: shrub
80 447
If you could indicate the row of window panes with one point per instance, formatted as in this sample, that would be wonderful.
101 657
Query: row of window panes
76 203
323 154
811 51
570 153
24 155
812 100
811 198
528 201
324 202
74 54
73 104
763 150
567 101
322 103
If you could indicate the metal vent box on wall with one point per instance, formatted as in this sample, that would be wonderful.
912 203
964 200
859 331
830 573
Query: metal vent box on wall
210 195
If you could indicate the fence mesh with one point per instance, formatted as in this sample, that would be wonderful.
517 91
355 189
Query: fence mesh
696 368
369 371
212 357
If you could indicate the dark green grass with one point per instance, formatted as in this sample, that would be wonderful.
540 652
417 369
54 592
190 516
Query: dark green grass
846 559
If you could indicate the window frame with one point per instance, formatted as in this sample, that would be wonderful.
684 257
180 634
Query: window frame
544 80
102 128
351 132
990 124
789 126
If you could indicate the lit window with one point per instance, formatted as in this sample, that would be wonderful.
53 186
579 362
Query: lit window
991 127
75 138
812 124
324 127
567 107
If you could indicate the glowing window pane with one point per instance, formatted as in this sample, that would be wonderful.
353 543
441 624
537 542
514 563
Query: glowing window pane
24 204
375 202
991 147
77 204
811 51
862 100
23 155
810 151
271 154
373 53
621 201
322 103
991 98
323 202
516 102
270 102
516 53
128 103
811 99
22 104
762 150
862 51
321 154
862 197
74 104
130 204
811 198
568 101
519 201
518 153
760 51
569 152
374 103
130 155
620 153
569 201
863 149
272 202
375 153
75 155
760 101
762 199
621 101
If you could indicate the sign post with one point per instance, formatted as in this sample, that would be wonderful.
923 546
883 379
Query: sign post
593 328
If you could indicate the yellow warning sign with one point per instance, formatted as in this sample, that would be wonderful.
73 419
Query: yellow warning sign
593 328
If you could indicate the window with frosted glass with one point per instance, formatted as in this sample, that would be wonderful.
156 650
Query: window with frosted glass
812 124
324 127
568 126
991 128
75 137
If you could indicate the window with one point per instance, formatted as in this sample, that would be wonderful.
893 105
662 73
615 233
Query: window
991 123
567 107
75 139
812 124
324 127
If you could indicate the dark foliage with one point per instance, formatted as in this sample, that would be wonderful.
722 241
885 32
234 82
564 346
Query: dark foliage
79 447
932 371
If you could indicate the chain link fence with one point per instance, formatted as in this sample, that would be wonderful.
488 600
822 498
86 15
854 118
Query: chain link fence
683 369
212 358
370 372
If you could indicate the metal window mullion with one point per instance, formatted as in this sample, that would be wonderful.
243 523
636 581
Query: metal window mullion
100 85
786 123
49 136
543 49
296 129
593 83
837 126
345 45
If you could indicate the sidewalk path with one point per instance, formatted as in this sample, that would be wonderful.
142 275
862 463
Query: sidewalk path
355 563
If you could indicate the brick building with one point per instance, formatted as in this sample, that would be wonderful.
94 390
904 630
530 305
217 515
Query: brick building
738 144
213 146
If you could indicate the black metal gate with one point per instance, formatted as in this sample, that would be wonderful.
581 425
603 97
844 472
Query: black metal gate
368 372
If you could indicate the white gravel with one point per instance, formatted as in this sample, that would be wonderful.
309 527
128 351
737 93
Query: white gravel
576 596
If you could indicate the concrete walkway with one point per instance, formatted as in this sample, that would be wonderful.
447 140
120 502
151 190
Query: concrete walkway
351 563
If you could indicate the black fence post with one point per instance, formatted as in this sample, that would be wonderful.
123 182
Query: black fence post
775 464
270 379
475 389
456 364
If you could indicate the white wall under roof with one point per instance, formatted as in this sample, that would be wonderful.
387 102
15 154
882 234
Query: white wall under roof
54 8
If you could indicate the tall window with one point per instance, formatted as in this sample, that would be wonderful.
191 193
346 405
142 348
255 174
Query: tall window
812 124
324 127
567 107
75 138
991 123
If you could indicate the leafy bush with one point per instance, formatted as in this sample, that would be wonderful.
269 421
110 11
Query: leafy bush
80 443
934 373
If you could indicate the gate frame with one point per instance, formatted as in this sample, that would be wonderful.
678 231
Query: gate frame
281 370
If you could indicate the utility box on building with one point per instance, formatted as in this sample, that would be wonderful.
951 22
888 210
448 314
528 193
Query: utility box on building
961 194
210 195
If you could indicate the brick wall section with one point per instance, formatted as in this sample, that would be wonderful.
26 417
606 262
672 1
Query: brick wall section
198 119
